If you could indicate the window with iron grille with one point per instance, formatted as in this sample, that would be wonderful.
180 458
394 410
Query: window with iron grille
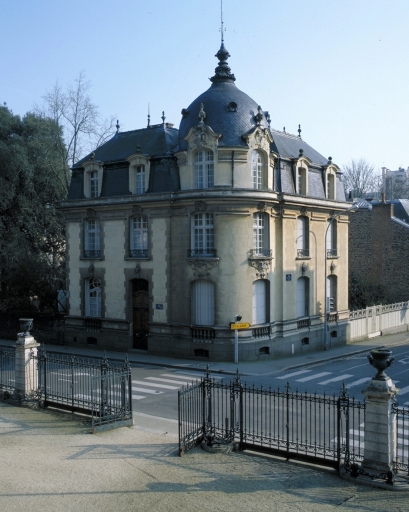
93 298
203 235
260 234
139 237
92 239
303 236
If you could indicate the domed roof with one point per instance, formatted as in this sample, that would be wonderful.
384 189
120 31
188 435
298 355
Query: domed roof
228 110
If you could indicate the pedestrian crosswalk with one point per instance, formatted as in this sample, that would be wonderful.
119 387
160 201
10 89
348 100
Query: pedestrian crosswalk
326 378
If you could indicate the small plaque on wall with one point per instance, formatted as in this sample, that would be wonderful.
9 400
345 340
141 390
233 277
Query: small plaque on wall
288 277
159 306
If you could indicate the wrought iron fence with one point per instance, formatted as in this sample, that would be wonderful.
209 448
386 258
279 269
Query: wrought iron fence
323 428
402 438
7 369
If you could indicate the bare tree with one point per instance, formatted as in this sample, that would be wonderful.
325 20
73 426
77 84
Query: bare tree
79 118
361 179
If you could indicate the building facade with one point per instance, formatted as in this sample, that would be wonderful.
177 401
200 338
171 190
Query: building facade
171 233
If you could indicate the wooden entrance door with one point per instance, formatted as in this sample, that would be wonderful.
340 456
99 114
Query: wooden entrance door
140 313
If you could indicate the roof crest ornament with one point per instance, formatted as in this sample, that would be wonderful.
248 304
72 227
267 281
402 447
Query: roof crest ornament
222 72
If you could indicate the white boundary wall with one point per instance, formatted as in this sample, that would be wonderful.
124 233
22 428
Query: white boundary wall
378 320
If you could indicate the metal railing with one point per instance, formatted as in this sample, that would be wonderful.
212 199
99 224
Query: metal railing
92 253
260 253
402 445
138 253
303 253
322 428
332 253
202 253
7 369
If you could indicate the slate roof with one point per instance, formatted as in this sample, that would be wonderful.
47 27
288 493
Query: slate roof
155 141
288 146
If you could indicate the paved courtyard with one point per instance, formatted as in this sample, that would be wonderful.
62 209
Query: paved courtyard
50 462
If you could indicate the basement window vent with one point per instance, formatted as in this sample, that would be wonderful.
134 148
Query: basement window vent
91 340
334 334
201 352
305 341
264 350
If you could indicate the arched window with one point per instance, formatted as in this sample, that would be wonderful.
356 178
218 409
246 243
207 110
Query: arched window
331 241
261 301
260 234
331 293
257 169
92 248
140 179
93 298
202 302
202 235
204 169
303 237
303 288
139 237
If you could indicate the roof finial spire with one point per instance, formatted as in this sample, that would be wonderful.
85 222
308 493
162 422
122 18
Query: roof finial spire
222 72
117 126
149 115
163 117
299 131
221 20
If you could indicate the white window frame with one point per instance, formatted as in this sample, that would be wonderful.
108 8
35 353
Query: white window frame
203 302
257 169
302 180
331 241
92 238
204 169
203 234
331 292
93 298
260 234
140 179
139 236
93 184
330 192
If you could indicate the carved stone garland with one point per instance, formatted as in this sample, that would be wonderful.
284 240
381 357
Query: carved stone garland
202 268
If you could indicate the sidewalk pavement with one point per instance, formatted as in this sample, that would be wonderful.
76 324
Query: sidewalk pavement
261 367
50 462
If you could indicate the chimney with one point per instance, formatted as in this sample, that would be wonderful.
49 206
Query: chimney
383 198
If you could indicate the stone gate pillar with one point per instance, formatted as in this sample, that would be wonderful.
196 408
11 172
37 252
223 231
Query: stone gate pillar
26 367
380 421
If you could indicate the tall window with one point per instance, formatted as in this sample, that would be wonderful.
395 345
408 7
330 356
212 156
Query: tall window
302 236
331 238
92 239
331 293
260 234
93 184
140 179
302 181
260 301
202 302
204 169
139 237
303 285
257 167
203 235
330 186
93 298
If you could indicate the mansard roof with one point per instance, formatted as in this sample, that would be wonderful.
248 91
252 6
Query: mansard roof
288 146
157 140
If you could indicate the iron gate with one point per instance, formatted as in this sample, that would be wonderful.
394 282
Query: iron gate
93 387
323 428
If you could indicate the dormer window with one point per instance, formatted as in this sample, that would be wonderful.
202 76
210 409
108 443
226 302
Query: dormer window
204 169
140 179
93 184
302 181
330 186
257 169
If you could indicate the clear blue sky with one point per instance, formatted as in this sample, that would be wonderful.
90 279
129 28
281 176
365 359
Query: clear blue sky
340 68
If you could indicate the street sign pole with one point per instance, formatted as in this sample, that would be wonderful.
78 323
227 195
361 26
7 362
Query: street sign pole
236 346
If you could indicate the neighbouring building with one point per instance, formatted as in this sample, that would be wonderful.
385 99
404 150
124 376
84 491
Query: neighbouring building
171 233
395 183
379 248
